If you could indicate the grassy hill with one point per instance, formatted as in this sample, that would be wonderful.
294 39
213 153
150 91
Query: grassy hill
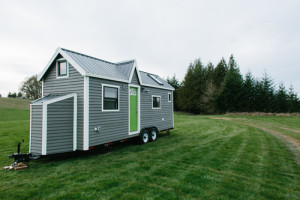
14 103
205 157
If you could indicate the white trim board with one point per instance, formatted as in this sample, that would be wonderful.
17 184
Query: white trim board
159 102
169 93
57 66
86 112
44 120
84 73
30 128
114 86
139 109
75 124
44 130
173 109
135 67
68 58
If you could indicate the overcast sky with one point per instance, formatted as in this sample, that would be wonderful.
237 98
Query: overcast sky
163 36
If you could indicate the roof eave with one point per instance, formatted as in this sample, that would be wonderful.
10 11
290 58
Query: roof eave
67 57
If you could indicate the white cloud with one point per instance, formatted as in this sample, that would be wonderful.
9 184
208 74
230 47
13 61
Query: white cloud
164 36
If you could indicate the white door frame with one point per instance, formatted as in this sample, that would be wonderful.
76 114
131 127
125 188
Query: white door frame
139 109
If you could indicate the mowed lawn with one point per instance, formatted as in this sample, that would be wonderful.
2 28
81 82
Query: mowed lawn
203 158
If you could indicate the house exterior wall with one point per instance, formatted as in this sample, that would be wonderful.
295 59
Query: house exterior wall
73 84
60 126
114 124
161 118
36 129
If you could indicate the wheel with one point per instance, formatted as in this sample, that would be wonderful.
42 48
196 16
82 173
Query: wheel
153 134
144 136
168 132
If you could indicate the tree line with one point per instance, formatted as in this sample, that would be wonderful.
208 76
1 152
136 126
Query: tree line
222 88
31 89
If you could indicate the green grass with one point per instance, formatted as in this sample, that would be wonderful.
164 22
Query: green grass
201 159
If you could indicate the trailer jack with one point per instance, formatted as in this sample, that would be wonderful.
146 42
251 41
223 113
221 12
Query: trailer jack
20 158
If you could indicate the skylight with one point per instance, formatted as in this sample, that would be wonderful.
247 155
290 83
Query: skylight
155 79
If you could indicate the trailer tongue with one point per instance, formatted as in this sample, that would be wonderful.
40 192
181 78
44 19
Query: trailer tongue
20 157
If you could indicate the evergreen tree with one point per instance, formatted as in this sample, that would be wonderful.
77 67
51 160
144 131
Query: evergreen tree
184 96
229 98
248 94
265 97
174 82
209 93
293 101
220 73
281 99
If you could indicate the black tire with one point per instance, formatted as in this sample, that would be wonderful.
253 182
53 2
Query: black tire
153 134
144 136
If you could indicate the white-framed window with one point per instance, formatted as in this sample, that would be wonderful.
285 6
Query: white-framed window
62 68
110 97
156 102
169 97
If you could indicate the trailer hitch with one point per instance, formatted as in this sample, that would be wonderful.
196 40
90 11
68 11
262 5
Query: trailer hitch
20 157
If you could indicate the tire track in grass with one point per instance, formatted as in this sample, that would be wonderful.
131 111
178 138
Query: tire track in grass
239 142
290 142
274 125
267 183
198 178
278 161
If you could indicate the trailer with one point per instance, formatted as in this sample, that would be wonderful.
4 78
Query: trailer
88 102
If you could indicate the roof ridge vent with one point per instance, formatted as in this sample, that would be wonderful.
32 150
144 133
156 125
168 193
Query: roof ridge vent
155 79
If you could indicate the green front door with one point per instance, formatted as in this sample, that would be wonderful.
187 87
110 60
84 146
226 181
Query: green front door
133 109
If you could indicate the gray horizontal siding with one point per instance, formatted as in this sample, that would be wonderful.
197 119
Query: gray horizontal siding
153 117
60 126
135 79
114 125
36 129
73 84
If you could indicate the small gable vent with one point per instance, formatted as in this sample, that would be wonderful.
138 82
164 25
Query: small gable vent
155 79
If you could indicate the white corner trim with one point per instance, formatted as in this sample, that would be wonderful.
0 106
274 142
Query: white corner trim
44 130
139 109
86 114
169 93
173 109
30 128
44 121
60 98
75 123
114 86
135 67
40 76
57 68
159 101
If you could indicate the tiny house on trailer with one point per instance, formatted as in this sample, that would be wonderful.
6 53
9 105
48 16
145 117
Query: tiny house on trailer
87 101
